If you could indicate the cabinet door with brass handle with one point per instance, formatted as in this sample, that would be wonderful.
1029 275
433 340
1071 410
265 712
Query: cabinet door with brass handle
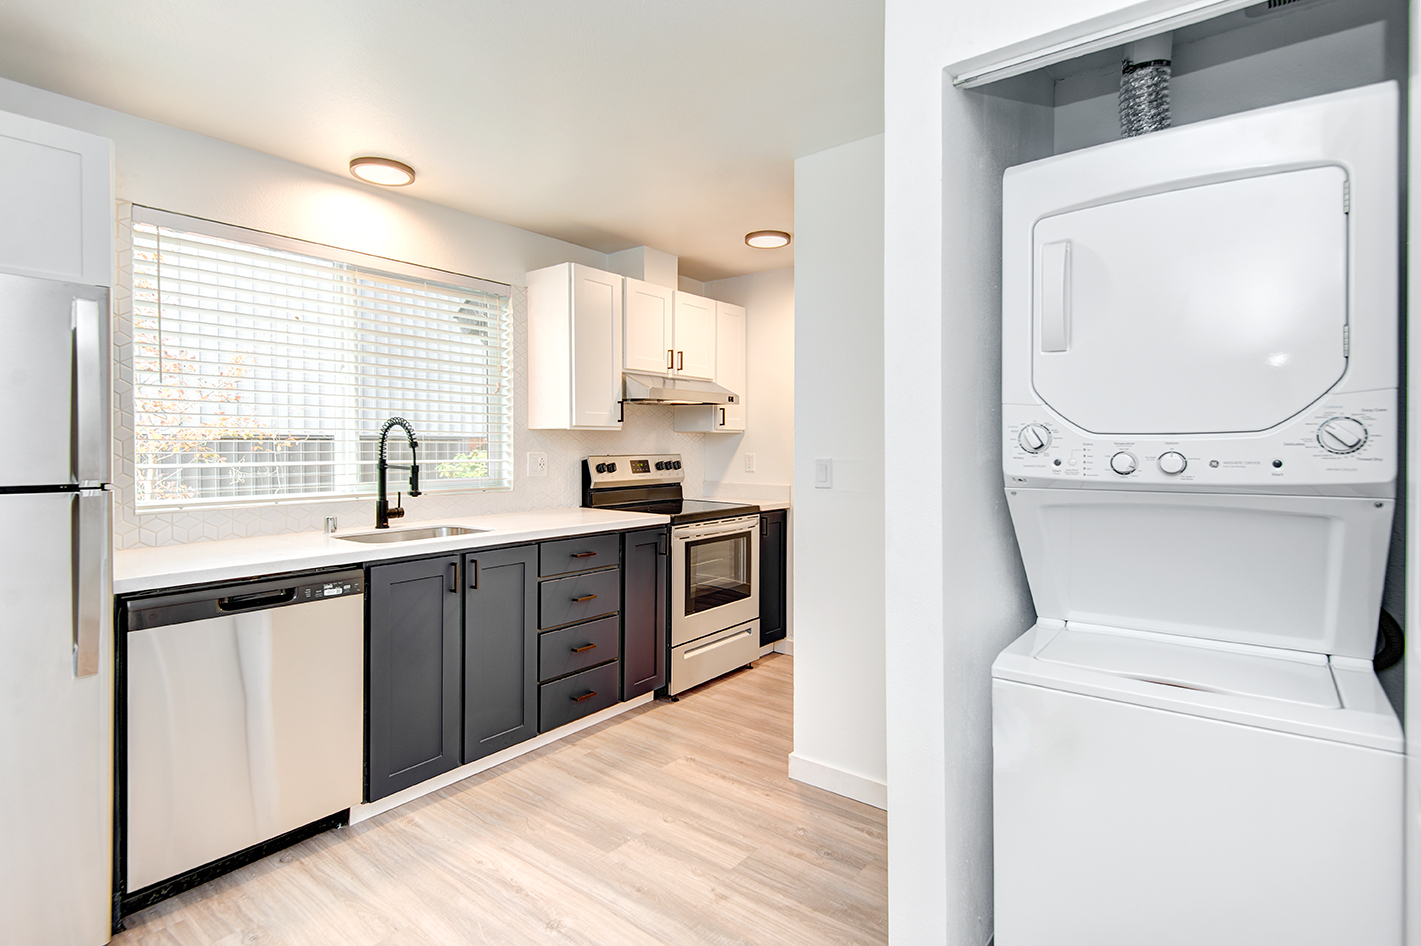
500 649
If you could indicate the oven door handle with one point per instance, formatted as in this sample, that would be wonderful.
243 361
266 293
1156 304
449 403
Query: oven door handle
734 526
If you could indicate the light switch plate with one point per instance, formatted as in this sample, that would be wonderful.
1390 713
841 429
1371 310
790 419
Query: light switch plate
823 473
749 463
537 464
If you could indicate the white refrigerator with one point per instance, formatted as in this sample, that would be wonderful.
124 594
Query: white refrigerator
56 606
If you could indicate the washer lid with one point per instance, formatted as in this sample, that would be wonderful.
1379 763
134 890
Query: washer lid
1216 308
1337 699
1305 679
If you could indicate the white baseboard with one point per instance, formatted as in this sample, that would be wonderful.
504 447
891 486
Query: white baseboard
363 812
850 785
785 646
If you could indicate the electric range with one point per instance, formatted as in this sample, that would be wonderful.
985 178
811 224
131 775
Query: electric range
714 567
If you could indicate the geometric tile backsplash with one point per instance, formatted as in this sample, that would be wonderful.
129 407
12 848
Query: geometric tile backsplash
646 429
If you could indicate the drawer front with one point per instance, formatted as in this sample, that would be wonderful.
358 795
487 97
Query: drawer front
562 701
566 600
566 556
577 647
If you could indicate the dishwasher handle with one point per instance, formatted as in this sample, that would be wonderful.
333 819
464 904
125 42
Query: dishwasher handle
259 600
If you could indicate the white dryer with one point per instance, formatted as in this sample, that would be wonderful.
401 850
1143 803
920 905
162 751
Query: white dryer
1199 387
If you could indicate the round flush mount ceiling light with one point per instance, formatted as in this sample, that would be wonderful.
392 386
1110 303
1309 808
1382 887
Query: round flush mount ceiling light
767 239
385 171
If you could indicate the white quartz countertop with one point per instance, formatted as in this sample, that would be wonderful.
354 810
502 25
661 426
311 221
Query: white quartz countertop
171 566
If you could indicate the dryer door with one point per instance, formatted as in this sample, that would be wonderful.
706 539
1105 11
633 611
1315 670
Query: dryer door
1217 308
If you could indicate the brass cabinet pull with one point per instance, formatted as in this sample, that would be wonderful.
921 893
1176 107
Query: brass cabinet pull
586 696
681 361
670 359
583 554
584 598
584 647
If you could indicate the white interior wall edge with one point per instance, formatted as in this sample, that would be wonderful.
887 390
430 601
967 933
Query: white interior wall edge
870 791
837 534
1412 826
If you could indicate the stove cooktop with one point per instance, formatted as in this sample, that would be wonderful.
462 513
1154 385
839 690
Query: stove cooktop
691 510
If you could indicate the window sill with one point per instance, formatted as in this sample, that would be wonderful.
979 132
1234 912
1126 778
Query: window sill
322 499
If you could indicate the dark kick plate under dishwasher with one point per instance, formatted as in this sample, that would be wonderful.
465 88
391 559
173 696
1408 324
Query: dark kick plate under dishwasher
130 903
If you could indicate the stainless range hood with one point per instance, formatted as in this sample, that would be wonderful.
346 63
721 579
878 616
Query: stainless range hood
651 389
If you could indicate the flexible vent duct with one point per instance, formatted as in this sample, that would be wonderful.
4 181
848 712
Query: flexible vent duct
1144 86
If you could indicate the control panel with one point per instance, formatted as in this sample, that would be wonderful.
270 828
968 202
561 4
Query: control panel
630 470
1346 442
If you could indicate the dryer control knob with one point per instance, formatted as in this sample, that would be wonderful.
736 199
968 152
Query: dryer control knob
1124 463
1172 462
1342 435
1034 438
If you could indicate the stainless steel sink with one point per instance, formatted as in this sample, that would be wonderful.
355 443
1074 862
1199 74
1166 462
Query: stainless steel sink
382 536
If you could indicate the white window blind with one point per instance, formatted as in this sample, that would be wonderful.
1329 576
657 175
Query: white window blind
264 367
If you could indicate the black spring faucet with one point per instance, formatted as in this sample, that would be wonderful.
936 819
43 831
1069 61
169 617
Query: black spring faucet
383 512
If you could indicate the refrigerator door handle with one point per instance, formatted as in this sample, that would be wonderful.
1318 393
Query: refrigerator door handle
92 578
91 389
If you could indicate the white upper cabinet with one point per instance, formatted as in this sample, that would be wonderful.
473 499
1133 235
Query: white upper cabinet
574 348
730 364
694 336
58 202
649 327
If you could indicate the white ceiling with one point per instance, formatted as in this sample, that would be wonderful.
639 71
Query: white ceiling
607 123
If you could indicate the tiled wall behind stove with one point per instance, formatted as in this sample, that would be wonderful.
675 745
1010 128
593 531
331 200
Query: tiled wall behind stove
646 429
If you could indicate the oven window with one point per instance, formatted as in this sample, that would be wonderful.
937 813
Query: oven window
717 571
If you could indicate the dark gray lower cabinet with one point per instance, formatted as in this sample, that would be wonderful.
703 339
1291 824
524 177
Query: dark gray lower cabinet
774 577
500 649
644 611
413 721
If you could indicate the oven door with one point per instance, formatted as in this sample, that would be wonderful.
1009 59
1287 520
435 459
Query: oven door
715 578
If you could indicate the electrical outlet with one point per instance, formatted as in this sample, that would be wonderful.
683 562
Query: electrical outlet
749 463
537 464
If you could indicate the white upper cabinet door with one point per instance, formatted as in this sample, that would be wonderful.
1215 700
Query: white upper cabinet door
596 348
694 336
730 358
58 204
648 328
1217 308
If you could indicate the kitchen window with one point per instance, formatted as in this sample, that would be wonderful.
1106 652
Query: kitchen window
263 368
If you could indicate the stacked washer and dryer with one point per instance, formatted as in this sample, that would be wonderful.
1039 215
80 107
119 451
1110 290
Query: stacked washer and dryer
1200 446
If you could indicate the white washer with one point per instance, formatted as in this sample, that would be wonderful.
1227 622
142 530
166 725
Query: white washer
1199 448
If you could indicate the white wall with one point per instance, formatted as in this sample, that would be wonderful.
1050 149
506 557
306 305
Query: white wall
768 299
839 721
176 170
952 587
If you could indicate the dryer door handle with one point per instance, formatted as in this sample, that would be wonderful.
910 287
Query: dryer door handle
1055 295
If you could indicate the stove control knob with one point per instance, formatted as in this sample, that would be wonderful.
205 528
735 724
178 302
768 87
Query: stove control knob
1034 438
1342 435
1172 463
611 467
601 468
1124 463
676 464
660 465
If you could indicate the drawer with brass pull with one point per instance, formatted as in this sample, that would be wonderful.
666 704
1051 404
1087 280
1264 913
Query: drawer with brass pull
577 647
577 695
565 556
579 598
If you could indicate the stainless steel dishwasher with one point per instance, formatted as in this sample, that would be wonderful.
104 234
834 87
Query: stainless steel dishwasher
245 711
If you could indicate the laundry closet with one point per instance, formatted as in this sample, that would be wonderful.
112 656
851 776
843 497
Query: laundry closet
1202 450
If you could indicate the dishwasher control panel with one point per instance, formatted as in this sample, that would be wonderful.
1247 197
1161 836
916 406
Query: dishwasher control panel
331 589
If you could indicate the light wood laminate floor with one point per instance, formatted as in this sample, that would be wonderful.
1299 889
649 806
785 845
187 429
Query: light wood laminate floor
674 823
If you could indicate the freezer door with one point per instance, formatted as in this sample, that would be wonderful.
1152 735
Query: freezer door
56 740
54 372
